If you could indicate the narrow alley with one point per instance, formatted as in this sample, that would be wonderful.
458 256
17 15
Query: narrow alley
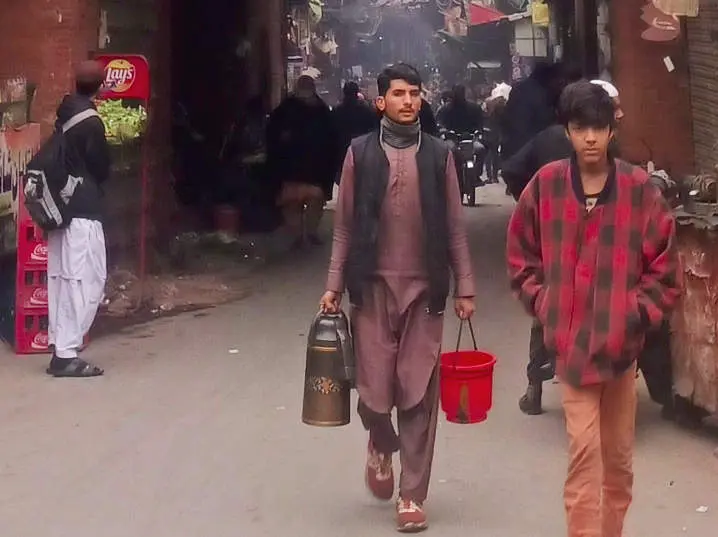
195 432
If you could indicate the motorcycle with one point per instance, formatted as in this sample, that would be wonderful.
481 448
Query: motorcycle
469 154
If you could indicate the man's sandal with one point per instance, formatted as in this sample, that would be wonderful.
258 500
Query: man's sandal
76 368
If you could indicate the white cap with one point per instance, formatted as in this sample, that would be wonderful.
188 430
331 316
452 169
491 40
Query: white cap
608 87
501 90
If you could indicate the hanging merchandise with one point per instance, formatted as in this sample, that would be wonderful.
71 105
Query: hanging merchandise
315 10
326 43
679 8
312 72
502 90
540 15
455 22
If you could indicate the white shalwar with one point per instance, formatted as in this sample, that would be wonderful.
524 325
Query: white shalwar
76 275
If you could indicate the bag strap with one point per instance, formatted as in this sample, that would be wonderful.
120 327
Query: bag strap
471 330
79 118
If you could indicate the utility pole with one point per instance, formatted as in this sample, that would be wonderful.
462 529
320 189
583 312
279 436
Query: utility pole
274 18
586 35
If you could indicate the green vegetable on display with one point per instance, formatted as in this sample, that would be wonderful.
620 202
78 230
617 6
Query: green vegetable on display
122 123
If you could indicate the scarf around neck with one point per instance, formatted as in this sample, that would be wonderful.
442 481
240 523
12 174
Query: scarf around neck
397 135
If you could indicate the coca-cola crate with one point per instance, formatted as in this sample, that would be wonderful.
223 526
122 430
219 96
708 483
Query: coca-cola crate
31 332
31 289
31 246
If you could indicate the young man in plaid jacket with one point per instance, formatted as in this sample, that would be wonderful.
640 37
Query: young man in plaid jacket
591 254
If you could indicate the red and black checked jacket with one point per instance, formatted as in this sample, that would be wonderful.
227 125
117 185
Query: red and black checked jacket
597 280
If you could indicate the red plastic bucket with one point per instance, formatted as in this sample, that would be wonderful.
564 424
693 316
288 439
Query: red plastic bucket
467 379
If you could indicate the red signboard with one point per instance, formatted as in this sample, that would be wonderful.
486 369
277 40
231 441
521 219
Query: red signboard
127 76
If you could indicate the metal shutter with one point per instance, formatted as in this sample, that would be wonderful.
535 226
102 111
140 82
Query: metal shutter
702 35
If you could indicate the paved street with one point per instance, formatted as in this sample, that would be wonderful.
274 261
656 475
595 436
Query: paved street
195 432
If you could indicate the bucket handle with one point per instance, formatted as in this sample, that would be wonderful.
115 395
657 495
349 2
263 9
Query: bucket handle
471 331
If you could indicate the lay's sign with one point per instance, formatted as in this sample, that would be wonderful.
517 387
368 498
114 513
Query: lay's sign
120 75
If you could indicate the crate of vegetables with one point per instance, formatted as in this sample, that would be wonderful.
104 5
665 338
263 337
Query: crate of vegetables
123 124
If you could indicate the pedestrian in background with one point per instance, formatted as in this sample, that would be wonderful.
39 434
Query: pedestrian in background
302 152
353 117
596 264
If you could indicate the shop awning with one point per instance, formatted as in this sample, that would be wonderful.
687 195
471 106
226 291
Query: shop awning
480 14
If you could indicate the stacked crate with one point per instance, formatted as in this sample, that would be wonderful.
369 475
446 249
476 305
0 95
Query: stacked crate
31 306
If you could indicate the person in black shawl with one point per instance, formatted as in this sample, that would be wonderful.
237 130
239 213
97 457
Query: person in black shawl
303 154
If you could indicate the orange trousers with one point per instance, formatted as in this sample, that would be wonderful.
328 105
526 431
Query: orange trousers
302 206
600 421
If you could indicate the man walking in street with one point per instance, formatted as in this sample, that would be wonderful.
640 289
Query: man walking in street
77 266
398 236
591 254
353 117
303 154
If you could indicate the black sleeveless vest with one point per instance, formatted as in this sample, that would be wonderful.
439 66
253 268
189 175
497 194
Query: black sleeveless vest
371 179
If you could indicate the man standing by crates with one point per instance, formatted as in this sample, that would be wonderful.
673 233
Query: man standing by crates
77 265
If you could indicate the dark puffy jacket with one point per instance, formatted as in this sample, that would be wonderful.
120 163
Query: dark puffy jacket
88 157
528 111
547 146
302 144
463 118
353 118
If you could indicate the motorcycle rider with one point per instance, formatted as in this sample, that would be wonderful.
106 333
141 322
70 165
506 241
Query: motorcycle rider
462 117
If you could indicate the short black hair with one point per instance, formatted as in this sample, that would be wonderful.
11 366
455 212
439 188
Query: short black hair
586 104
573 72
351 89
543 71
89 77
398 71
305 82
88 88
459 92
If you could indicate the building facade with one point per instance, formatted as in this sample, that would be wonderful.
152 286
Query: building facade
43 44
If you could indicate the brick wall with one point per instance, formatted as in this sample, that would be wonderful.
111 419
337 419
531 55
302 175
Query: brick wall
656 102
43 40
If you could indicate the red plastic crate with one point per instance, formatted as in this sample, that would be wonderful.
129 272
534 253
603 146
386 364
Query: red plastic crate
31 289
31 335
31 246
31 318
31 332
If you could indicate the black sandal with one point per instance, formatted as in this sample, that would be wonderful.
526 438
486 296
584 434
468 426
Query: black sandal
76 368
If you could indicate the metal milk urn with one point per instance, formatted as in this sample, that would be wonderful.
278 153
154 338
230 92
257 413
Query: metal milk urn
329 375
